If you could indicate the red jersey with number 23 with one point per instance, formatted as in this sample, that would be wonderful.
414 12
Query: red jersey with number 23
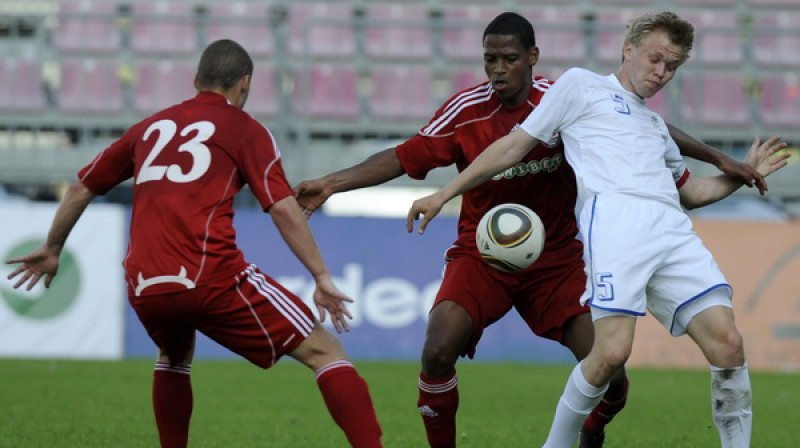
467 124
187 163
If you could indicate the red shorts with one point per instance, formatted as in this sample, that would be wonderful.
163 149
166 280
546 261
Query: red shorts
546 299
252 316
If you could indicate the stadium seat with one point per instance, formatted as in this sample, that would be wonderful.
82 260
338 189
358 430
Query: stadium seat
86 25
715 99
21 86
162 83
163 27
758 4
397 31
706 3
248 23
401 91
776 41
90 86
610 28
327 91
718 39
263 99
465 78
779 104
321 29
560 34
462 31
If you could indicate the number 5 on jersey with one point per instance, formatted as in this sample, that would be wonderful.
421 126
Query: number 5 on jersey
201 156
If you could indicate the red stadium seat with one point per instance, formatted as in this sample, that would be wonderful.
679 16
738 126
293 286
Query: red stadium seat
248 23
398 30
561 34
779 103
90 86
160 84
776 41
21 86
465 78
611 27
717 98
462 32
327 91
718 39
264 97
87 25
163 27
402 91
321 29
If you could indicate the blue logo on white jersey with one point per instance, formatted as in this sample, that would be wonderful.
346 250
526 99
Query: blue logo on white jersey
621 107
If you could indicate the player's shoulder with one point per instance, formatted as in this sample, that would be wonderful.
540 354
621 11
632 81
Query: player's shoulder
464 106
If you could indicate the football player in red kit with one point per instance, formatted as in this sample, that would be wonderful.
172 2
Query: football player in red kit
183 268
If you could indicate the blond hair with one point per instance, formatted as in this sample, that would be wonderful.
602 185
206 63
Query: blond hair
680 31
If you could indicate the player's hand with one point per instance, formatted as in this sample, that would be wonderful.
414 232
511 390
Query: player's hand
311 194
741 170
429 207
763 157
330 300
41 263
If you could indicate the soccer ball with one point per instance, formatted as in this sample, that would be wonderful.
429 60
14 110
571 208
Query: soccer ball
510 237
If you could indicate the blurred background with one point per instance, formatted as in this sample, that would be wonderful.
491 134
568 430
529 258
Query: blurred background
337 81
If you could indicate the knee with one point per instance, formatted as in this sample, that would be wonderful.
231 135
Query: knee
438 358
729 349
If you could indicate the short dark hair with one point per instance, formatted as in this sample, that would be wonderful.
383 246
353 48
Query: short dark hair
222 64
512 24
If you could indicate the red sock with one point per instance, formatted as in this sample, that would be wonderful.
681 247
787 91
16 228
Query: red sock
347 397
172 403
438 404
613 402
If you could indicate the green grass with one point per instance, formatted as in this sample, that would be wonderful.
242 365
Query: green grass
69 404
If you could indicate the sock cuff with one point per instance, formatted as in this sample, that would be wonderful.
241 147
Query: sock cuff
722 369
437 386
583 386
334 366
185 369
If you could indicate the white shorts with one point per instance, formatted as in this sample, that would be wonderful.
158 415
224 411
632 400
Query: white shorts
643 255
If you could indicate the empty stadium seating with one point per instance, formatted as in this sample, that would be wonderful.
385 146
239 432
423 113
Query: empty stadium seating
398 30
248 23
326 91
163 27
91 86
85 25
715 99
776 38
401 91
21 86
462 33
779 103
162 83
321 29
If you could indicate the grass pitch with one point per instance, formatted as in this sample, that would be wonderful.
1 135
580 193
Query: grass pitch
68 404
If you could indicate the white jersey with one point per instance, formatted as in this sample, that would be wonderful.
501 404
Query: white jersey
614 143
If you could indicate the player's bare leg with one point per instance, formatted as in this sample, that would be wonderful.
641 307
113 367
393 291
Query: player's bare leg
579 338
589 379
715 333
172 396
344 391
448 333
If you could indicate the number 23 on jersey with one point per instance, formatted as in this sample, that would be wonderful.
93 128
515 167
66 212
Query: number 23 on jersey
201 155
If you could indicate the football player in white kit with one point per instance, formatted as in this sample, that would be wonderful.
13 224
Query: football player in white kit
639 247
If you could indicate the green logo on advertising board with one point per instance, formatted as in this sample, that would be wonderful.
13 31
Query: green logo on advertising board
50 302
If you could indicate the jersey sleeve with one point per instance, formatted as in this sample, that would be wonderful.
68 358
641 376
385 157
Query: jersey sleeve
259 161
559 107
112 166
676 163
435 145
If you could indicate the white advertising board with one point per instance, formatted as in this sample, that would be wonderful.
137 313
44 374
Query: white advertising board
81 315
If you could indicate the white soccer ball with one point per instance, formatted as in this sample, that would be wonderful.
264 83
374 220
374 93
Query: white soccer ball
510 237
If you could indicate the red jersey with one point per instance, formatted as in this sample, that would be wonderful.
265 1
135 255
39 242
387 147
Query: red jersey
187 163
467 124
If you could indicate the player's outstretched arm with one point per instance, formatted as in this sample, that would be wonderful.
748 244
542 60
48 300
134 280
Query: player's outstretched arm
43 261
691 147
376 169
500 155
292 225
762 157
